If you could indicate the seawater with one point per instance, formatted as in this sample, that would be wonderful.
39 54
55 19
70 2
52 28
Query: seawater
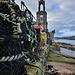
72 42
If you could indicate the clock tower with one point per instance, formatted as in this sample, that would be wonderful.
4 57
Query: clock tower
42 15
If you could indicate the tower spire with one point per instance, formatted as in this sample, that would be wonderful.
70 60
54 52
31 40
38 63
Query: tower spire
41 2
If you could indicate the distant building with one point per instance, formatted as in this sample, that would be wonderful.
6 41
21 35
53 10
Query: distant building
52 35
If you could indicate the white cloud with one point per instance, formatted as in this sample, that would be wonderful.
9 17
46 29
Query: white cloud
68 33
61 14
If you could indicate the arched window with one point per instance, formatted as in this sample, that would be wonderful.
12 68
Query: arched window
41 7
41 16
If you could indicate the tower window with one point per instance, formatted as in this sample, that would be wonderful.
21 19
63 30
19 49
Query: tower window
41 16
41 20
41 7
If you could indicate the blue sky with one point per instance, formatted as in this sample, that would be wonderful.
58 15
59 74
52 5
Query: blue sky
60 15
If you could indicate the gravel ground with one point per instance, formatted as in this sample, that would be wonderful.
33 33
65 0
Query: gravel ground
62 64
63 67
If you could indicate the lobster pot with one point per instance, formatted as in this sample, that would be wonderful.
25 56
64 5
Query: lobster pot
13 68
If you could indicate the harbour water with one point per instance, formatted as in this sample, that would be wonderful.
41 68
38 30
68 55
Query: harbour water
72 42
67 52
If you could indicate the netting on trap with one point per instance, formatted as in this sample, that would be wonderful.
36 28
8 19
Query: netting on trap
13 68
17 36
11 59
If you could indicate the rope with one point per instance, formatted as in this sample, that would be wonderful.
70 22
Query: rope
30 32
12 58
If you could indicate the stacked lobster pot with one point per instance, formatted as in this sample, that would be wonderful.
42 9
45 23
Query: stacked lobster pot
17 37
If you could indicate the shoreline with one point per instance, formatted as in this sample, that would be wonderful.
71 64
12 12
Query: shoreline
70 42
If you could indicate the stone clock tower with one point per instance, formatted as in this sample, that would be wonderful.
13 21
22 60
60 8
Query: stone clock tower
42 15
